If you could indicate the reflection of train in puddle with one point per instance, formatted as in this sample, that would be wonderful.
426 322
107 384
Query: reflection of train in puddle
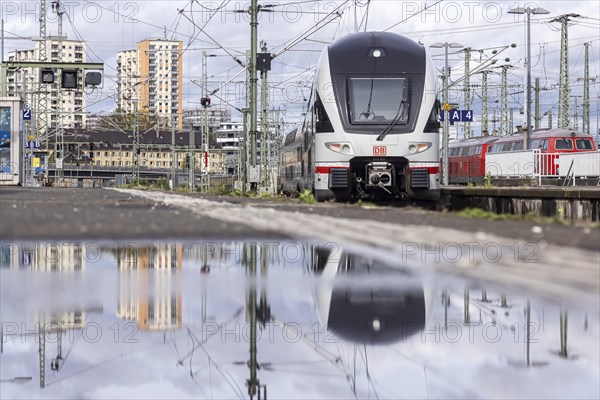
362 300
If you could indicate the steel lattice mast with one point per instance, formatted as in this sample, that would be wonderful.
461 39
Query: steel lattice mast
504 128
484 100
564 91
467 89
41 108
586 90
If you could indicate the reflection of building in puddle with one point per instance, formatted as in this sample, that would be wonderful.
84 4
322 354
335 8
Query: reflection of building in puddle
364 301
147 286
43 256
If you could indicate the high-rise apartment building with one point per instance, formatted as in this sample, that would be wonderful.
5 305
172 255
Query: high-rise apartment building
24 82
151 77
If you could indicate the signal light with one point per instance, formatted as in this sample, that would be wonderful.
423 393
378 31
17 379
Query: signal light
47 75
69 79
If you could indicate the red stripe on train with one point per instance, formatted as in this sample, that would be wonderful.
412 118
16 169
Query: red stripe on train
430 170
326 170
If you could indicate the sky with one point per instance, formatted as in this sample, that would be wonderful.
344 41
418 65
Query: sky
221 28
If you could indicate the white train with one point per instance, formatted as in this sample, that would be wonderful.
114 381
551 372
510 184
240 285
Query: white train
372 125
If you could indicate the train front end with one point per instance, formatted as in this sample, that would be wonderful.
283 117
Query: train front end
376 120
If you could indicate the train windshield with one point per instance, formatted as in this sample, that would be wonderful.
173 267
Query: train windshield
378 100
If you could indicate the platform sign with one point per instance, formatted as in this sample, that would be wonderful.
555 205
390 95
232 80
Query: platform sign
466 115
459 115
33 144
26 114
454 115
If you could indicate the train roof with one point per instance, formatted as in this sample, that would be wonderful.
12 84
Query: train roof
474 141
352 53
539 134
545 134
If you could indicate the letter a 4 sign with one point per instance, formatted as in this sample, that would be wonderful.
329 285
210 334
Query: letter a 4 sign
459 115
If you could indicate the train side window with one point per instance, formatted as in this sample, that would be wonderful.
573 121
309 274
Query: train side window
322 121
584 144
471 150
517 146
563 144
535 144
507 147
478 150
289 139
464 151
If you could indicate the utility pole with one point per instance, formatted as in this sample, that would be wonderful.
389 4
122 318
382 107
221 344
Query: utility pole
59 138
563 90
41 108
586 90
205 102
537 104
467 89
253 79
575 114
192 163
135 154
264 104
550 119
484 99
504 127
173 155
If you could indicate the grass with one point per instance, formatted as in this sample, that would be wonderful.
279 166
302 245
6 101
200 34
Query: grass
307 197
478 213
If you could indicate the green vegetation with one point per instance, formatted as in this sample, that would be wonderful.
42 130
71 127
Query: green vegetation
367 205
478 213
307 197
488 180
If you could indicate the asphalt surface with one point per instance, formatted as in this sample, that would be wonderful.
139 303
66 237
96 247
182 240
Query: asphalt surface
103 214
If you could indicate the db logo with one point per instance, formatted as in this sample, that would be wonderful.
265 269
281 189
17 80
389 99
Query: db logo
379 150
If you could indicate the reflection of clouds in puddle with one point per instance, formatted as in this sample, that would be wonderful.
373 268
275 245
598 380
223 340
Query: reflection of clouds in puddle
151 318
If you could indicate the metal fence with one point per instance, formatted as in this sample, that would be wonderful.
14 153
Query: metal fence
535 164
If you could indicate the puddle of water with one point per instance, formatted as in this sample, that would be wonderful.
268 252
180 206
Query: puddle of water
280 319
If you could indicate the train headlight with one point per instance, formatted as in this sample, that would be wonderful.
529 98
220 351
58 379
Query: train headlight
340 147
414 148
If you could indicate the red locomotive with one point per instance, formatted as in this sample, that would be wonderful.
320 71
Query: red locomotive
466 158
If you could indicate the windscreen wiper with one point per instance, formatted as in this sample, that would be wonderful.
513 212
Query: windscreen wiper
388 128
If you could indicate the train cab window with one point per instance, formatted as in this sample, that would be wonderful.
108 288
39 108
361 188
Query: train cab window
378 101
535 144
563 144
322 121
584 144
478 150
544 144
